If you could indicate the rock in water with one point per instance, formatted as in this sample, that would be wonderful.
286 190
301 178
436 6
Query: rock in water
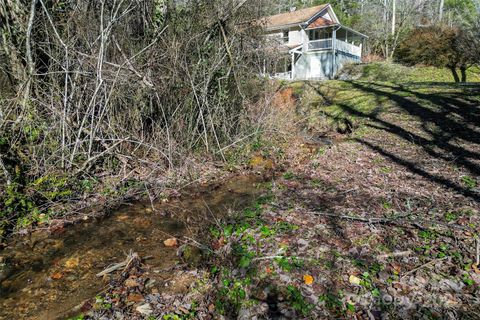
172 242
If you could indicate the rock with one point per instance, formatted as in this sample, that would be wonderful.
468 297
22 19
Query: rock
387 299
244 314
303 242
172 242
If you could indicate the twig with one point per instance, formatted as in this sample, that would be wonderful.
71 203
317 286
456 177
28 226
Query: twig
149 197
423 266
131 257
199 245
399 222
113 268
124 264
232 61
268 258
395 254
87 163
477 251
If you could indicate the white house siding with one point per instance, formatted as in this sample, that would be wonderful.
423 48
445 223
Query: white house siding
318 65
295 36
275 35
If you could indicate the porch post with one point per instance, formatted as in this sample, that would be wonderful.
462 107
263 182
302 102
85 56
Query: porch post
292 75
334 51
305 40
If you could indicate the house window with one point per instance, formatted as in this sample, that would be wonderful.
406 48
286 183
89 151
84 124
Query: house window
285 36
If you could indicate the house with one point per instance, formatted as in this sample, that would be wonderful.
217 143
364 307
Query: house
312 42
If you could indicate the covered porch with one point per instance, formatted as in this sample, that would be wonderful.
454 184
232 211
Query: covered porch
336 37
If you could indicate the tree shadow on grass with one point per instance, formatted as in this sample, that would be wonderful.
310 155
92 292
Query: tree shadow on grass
446 118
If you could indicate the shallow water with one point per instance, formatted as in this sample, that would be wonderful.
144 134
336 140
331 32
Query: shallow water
52 274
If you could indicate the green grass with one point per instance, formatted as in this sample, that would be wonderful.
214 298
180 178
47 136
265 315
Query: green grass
392 72
378 88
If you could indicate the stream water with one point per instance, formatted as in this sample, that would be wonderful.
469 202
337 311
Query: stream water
45 276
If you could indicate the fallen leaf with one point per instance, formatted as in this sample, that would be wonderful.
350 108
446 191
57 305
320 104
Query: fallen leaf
268 270
122 218
396 267
145 309
218 244
131 283
72 263
308 279
56 276
185 311
354 280
172 242
135 297
475 268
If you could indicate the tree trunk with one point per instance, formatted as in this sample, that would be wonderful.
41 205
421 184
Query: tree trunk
394 15
454 74
463 71
440 10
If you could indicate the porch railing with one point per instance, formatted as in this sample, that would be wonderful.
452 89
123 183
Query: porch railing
322 44
348 48
327 44
283 75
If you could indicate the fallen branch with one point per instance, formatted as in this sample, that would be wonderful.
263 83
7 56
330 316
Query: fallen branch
395 254
88 162
423 266
477 260
124 264
113 268
398 222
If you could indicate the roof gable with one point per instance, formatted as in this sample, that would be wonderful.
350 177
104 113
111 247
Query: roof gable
320 22
303 16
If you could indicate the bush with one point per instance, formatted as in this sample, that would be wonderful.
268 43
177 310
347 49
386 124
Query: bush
437 46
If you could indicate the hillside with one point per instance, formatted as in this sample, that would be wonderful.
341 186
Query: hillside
375 213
